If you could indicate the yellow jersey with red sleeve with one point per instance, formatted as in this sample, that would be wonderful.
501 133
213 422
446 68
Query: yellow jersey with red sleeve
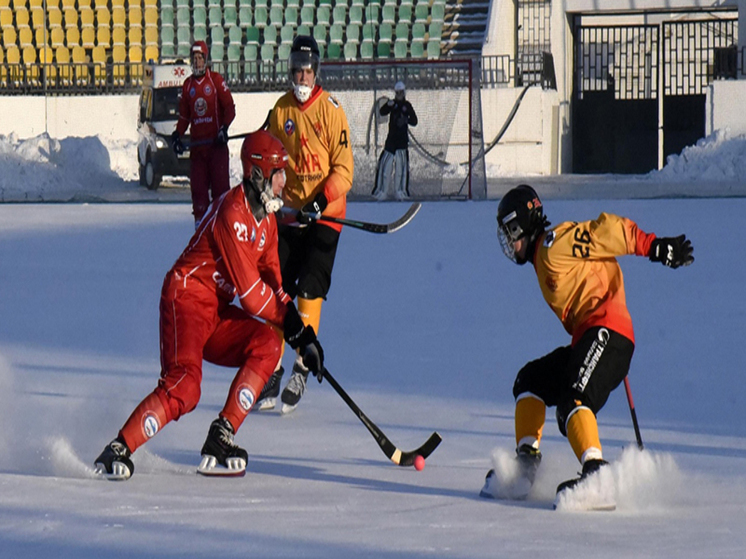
316 136
580 277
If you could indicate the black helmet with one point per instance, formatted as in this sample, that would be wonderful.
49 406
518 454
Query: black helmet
304 54
519 215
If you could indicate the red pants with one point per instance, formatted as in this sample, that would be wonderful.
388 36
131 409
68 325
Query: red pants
209 176
195 325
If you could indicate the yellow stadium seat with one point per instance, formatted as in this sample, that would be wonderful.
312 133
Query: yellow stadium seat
98 57
22 16
119 67
56 37
54 17
31 64
103 17
151 53
100 4
64 69
151 16
80 63
103 37
46 60
118 17
19 4
135 17
72 37
6 17
13 60
87 18
151 36
41 37
25 37
135 35
4 3
117 4
119 37
150 3
37 17
88 37
71 17
3 69
35 4
69 4
10 37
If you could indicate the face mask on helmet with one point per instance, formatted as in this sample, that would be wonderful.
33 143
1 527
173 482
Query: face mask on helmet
520 215
304 55
263 156
508 232
199 64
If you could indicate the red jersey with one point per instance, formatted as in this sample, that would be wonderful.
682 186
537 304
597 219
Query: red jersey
206 104
233 254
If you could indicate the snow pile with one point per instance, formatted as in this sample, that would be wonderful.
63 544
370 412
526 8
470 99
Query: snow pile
42 168
717 157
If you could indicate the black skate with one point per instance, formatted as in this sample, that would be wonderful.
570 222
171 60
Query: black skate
268 397
220 455
595 499
295 387
114 462
516 483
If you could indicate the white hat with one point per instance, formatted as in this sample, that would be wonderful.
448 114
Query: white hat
399 86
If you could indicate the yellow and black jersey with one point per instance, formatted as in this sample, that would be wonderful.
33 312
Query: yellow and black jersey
580 277
316 136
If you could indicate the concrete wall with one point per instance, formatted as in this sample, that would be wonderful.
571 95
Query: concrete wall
724 107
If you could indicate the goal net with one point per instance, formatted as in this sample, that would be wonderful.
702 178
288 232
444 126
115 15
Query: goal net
446 148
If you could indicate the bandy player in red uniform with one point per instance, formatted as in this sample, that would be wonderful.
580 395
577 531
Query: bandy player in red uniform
232 254
206 107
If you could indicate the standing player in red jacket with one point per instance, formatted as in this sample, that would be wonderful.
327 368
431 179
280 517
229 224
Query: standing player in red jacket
206 105
581 281
232 254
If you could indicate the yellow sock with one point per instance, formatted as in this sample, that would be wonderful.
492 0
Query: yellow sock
310 312
582 432
530 413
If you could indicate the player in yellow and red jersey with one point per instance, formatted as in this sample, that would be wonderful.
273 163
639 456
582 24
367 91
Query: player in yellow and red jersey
313 128
581 281
232 254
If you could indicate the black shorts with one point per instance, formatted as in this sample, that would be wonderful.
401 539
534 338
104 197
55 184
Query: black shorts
587 373
306 259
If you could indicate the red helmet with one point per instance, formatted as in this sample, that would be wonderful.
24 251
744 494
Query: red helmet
261 155
201 48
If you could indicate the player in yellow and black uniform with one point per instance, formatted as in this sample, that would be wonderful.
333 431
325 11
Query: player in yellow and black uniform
581 281
313 127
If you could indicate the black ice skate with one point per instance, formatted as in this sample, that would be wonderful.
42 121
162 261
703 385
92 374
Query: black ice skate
114 462
295 387
594 500
220 455
268 397
527 463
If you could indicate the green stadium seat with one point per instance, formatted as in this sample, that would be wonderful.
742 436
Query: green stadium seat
418 33
183 36
267 52
307 16
353 34
215 17
360 3
421 13
168 36
323 16
287 34
199 33
369 32
261 16
303 29
384 50
235 35
234 53
200 17
217 35
217 52
417 49
270 35
293 4
336 34
405 14
319 33
356 15
325 4
372 14
388 14
245 16
230 16
433 49
339 14
291 16
167 17
385 33
366 50
402 32
283 51
400 49
334 52
435 30
276 16
438 12
250 53
183 17
252 35
350 51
